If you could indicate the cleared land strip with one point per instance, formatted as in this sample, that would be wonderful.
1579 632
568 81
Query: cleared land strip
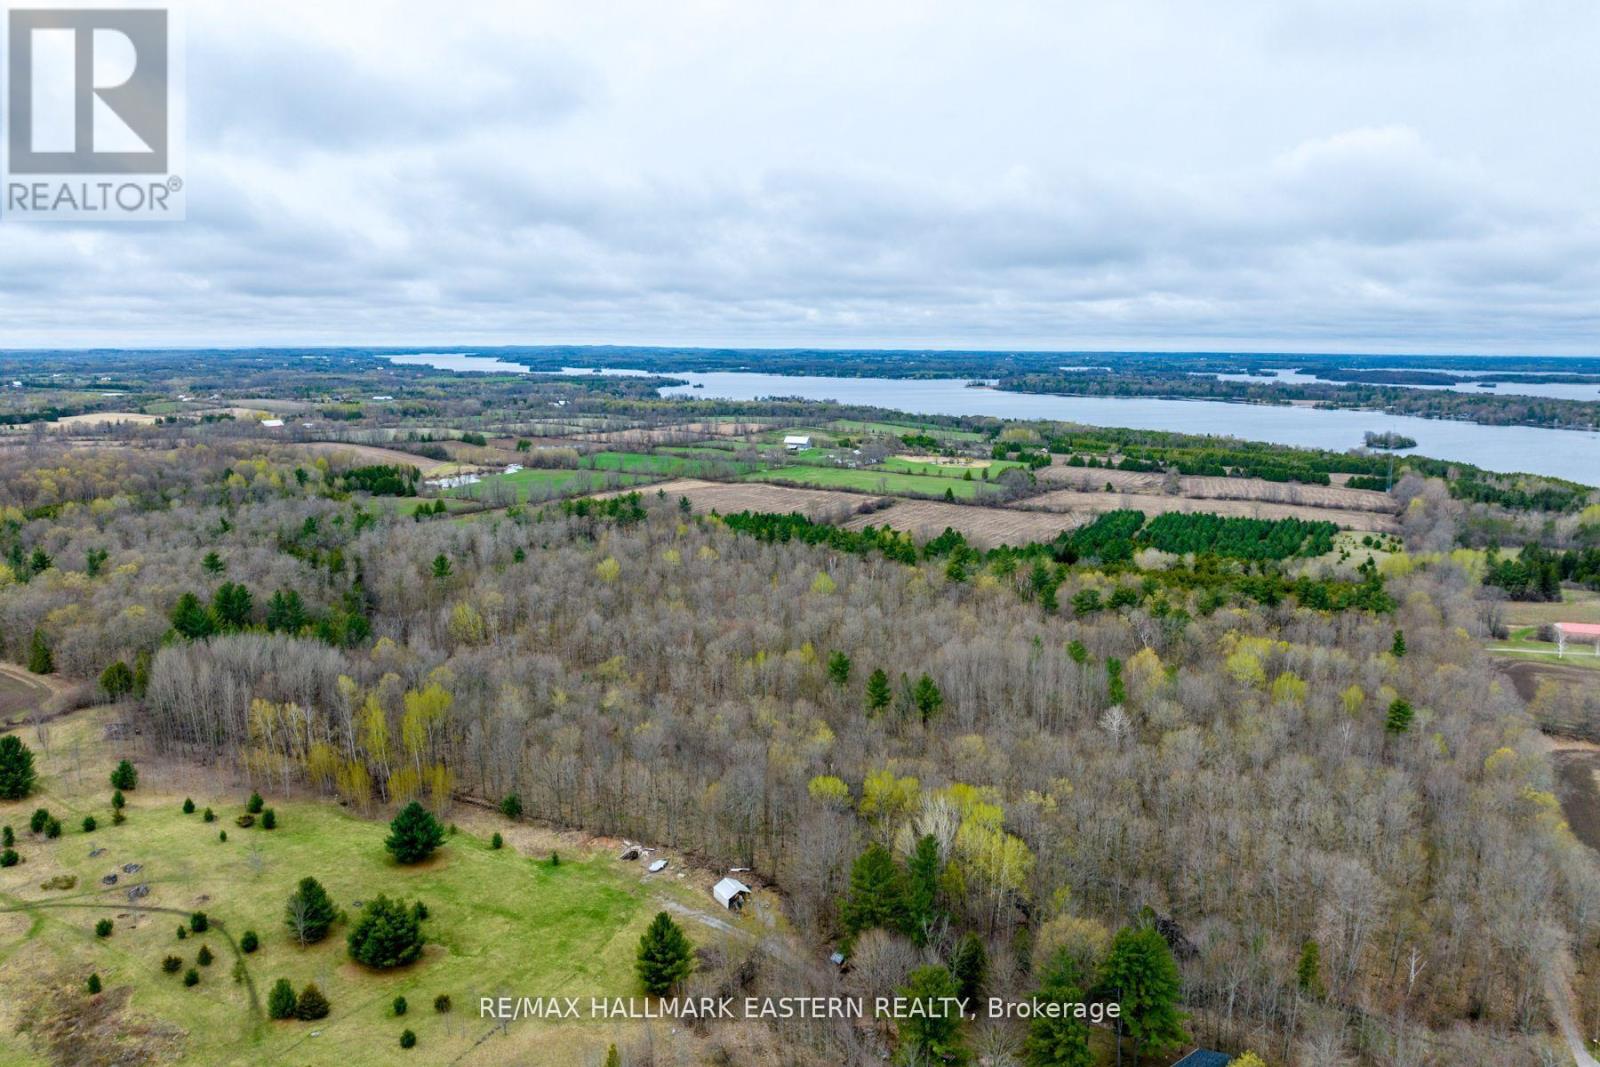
822 505
1204 487
986 527
1091 503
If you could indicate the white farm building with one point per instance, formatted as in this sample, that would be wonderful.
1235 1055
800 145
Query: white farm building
731 893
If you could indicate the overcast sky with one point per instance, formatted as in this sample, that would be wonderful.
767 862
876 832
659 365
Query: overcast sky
1347 175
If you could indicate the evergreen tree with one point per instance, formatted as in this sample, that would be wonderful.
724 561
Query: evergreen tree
665 956
969 966
1400 716
923 871
118 801
1308 972
17 776
511 806
932 1033
8 837
249 942
286 612
41 817
232 605
281 1000
399 1006
191 619
204 957
414 834
40 658
878 693
254 804
1140 974
213 563
877 893
188 806
269 819
93 985
191 977
613 1057
1398 648
1063 1041
125 777
117 680
311 1004
927 698
310 912
89 824
839 668
408 1039
388 934
441 566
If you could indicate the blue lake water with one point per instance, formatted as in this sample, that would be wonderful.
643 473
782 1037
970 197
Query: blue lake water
1572 454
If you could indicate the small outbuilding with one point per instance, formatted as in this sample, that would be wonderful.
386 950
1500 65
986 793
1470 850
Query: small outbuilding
731 893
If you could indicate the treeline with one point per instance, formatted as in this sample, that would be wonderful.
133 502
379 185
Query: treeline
380 479
1537 573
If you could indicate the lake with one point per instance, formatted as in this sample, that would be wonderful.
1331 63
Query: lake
1571 454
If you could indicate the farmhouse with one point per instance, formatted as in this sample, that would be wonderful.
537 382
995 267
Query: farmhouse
731 893
1586 632
795 442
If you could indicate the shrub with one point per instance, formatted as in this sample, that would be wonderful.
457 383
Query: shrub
172 964
310 912
249 942
16 768
387 935
496 841
441 1003
555 859
40 817
222 835
400 1006
205 957
245 821
93 984
281 1000
188 806
199 923
269 820
9 858
420 910
8 837
511 806
407 1039
117 799
312 1004
414 834
183 932
53 827
209 816
254 804
88 824
102 928
125 777
191 977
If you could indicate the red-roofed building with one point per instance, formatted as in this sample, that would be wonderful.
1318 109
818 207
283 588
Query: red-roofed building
1586 632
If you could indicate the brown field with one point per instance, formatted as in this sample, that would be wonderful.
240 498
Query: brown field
20 692
374 454
1203 487
1093 503
678 434
822 505
103 418
985 527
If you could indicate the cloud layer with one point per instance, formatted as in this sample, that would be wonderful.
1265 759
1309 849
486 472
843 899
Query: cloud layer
1306 175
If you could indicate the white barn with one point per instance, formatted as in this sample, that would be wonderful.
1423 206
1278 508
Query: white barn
731 893
796 441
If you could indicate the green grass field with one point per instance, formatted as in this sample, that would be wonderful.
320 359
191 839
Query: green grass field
502 922
869 481
948 470
539 483
853 426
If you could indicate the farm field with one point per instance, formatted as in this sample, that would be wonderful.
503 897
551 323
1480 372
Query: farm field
1216 488
102 418
681 433
871 481
1092 503
854 426
985 527
662 465
540 483
1577 605
372 454
487 909
20 692
727 498
946 467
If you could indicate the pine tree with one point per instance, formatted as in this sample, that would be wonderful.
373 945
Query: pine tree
1063 1041
927 698
388 934
125 777
414 834
969 966
877 893
839 668
191 619
281 1001
204 957
1398 648
188 806
511 806
311 1004
310 912
665 956
932 1034
1400 716
213 563
441 566
17 775
254 804
923 871
1308 972
94 984
40 659
117 680
249 942
878 693
1140 974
